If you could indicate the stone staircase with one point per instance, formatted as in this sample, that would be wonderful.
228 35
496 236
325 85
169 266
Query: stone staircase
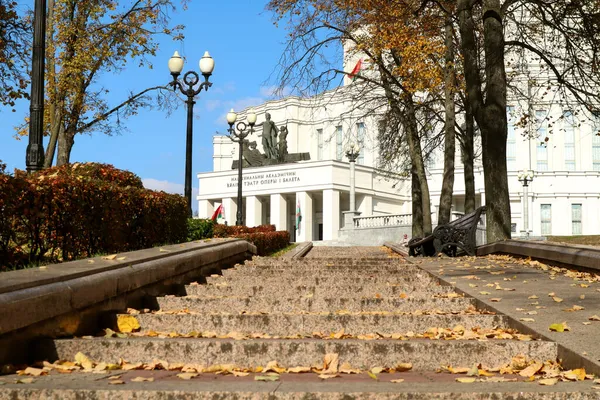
379 318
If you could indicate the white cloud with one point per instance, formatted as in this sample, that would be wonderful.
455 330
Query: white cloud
170 187
165 186
238 105
225 88
273 91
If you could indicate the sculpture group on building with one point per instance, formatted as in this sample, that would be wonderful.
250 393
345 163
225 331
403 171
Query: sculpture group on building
275 147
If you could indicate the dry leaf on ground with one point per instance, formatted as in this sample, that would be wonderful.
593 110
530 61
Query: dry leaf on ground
187 375
127 323
142 379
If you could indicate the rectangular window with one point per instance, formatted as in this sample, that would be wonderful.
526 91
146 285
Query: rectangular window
511 143
576 219
320 142
546 218
339 141
360 138
542 150
569 127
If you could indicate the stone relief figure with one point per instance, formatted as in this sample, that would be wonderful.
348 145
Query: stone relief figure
283 147
269 138
251 154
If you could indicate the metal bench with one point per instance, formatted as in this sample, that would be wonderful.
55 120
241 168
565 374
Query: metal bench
458 234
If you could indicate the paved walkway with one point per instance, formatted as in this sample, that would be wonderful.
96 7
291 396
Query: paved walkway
535 295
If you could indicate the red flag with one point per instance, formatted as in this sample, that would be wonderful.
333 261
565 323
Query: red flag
219 213
356 71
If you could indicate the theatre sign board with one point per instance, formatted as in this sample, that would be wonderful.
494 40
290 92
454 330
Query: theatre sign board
285 178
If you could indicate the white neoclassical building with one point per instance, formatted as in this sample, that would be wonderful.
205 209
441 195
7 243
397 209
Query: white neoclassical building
563 198
319 187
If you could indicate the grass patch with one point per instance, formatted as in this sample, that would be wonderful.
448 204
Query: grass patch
279 253
589 240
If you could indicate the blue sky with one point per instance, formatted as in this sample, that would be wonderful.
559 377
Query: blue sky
246 47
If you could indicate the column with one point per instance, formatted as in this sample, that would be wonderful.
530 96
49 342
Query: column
279 212
253 211
304 232
206 208
331 214
366 206
230 207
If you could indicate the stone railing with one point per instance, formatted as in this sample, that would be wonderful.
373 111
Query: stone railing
383 221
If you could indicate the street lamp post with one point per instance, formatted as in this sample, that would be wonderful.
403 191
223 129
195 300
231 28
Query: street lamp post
34 159
352 152
190 79
239 137
525 177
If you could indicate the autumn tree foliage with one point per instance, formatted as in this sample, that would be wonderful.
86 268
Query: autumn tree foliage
14 34
405 74
89 38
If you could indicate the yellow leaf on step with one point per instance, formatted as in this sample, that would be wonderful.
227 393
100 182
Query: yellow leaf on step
548 382
372 375
187 375
127 323
403 367
328 376
466 380
142 379
330 363
298 370
575 374
82 360
532 369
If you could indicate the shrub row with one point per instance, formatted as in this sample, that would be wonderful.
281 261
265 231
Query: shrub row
265 237
199 229
267 242
81 210
234 230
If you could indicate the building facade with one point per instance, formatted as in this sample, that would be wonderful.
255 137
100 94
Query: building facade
559 144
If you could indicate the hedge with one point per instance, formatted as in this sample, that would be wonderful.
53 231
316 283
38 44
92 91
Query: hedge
235 230
199 229
267 242
81 210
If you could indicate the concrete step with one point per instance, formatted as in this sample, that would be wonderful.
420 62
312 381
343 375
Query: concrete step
321 271
425 355
277 291
166 386
290 279
327 264
292 324
275 305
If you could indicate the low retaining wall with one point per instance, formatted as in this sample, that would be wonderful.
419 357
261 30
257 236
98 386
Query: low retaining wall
374 236
70 298
299 251
578 256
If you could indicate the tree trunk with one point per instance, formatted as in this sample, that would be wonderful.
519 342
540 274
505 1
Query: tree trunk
497 198
65 144
468 159
416 156
417 209
449 131
56 127
491 115
51 74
